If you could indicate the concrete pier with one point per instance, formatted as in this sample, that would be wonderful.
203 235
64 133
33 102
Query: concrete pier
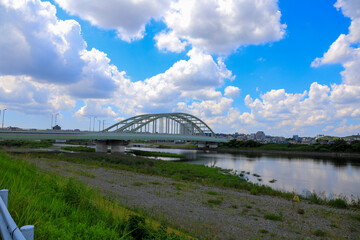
117 146
101 146
211 145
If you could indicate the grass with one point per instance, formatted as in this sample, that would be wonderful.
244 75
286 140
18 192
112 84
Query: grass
214 201
137 184
26 143
319 233
339 145
212 193
212 176
62 208
338 203
274 217
157 154
78 149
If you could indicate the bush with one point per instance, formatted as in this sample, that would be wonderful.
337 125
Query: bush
338 203
274 217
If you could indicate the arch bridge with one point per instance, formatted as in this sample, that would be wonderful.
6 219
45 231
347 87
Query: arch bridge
163 123
148 127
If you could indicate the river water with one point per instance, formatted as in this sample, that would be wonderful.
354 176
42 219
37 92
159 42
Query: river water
325 176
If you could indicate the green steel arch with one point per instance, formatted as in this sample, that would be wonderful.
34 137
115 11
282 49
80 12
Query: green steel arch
164 123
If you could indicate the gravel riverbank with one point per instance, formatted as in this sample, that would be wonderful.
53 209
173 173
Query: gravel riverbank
211 212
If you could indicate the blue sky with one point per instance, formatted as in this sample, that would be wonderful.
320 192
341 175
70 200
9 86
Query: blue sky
281 67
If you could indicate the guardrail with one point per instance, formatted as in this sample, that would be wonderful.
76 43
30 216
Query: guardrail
8 227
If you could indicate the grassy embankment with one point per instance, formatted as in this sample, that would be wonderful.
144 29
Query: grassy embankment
156 154
63 208
185 172
338 146
26 143
136 152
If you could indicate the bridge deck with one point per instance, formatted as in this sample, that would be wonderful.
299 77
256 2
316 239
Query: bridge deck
70 135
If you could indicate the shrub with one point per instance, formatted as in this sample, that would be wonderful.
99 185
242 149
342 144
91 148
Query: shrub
274 217
338 203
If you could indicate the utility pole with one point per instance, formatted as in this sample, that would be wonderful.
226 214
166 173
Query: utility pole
94 124
90 125
56 118
99 124
103 125
3 118
52 118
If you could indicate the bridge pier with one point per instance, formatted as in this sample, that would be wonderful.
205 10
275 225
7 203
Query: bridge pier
117 146
101 146
211 145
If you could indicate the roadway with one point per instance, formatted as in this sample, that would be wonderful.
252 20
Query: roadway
85 135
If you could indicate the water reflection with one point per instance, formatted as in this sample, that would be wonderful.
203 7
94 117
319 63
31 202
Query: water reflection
338 176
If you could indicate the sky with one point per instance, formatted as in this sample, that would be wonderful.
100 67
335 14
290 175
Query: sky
282 67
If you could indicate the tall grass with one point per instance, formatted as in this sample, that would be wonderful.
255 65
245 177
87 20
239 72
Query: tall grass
26 143
65 208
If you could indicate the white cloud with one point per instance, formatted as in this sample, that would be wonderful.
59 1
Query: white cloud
169 42
23 94
231 91
95 108
217 26
196 78
128 17
37 44
348 130
221 26
43 61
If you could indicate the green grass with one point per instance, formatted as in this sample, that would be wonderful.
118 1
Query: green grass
26 143
62 208
137 184
274 217
339 145
78 149
212 193
319 233
212 176
156 154
215 201
338 203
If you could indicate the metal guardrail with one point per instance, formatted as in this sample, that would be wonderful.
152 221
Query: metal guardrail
8 227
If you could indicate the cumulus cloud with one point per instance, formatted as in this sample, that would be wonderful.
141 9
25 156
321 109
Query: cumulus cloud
21 93
196 78
231 91
44 63
169 42
38 44
221 26
128 17
95 108
217 26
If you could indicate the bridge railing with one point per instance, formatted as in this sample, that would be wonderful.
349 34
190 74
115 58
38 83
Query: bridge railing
8 227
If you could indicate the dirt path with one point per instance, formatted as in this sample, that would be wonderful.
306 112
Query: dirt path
214 213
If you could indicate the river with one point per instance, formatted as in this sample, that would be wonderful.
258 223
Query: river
325 176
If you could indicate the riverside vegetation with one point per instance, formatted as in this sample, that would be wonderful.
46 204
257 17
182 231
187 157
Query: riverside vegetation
211 176
339 145
136 152
63 208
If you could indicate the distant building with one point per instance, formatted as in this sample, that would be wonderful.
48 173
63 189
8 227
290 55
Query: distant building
56 127
260 135
296 137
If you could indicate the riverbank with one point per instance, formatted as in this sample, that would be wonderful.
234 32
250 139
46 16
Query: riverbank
207 211
292 153
65 208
